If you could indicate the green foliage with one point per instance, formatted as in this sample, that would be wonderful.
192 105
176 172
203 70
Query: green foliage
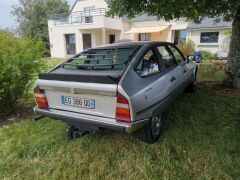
206 55
228 32
190 9
212 71
20 60
200 140
32 16
187 47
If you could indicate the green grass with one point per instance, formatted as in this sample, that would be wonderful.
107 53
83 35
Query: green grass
52 62
201 139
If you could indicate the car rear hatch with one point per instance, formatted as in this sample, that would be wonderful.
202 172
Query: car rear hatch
88 82
87 98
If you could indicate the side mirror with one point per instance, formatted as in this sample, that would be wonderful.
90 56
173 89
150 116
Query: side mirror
190 58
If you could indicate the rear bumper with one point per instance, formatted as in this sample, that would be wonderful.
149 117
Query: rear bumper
88 120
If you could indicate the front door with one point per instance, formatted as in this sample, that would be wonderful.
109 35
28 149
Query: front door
111 38
87 41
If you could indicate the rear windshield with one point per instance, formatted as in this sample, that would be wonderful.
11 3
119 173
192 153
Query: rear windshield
102 59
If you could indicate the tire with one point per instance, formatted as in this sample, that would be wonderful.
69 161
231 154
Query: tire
191 88
151 133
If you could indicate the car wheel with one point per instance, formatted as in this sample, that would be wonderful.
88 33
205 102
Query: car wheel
193 86
151 133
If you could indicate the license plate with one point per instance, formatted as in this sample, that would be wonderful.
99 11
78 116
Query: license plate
78 102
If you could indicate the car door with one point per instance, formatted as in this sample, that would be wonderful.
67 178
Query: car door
183 65
171 69
153 80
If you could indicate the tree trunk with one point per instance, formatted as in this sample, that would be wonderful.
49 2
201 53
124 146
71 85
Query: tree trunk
233 74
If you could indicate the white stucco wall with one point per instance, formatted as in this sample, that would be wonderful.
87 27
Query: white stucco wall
112 26
57 39
58 42
222 44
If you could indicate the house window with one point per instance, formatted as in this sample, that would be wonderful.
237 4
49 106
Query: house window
87 41
182 36
112 38
179 36
209 37
88 14
70 44
144 37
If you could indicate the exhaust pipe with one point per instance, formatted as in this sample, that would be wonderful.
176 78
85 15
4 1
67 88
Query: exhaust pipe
38 117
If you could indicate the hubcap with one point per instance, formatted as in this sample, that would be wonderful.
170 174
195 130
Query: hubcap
156 125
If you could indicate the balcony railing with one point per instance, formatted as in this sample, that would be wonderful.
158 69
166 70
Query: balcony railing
79 17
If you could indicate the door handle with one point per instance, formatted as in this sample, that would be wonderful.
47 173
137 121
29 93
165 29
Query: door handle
173 78
184 71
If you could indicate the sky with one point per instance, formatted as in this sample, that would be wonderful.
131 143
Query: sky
7 20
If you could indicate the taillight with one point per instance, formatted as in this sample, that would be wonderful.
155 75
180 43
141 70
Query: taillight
40 98
122 109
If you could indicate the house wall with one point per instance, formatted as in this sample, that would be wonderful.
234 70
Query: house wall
222 45
58 43
115 32
118 26
156 36
57 39
96 35
165 35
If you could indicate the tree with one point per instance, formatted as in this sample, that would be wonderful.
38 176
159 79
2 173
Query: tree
32 16
194 10
20 61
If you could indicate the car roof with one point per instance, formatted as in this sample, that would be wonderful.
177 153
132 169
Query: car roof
138 43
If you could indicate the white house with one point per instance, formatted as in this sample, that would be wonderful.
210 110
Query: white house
87 26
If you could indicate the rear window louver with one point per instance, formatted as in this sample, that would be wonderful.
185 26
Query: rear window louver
102 59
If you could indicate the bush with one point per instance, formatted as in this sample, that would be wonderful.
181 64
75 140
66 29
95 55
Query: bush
187 47
207 55
20 60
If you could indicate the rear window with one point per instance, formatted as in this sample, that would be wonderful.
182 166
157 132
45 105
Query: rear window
102 59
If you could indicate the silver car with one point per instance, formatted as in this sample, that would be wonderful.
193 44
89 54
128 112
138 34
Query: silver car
124 87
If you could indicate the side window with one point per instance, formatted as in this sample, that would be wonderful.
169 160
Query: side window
148 65
166 57
179 58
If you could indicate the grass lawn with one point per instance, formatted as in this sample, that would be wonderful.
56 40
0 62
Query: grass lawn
201 139
52 62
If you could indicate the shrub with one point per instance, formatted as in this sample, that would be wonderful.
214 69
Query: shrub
207 55
187 47
20 60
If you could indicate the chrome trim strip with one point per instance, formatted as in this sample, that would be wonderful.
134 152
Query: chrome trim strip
84 86
88 119
79 91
